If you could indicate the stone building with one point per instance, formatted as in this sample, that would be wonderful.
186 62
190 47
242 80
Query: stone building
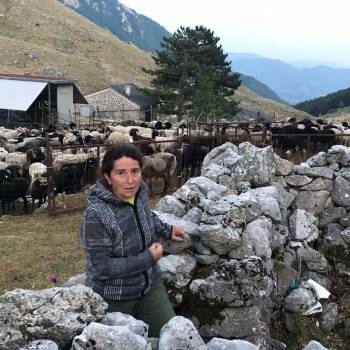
122 102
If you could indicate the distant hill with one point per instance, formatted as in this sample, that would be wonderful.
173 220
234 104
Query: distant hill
290 83
326 104
259 88
253 105
122 21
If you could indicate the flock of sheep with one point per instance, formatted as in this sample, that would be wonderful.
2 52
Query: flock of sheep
73 156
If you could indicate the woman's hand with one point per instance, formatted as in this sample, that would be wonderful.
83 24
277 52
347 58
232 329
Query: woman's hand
156 251
178 233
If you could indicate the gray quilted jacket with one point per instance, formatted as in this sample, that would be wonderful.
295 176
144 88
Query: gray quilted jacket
115 236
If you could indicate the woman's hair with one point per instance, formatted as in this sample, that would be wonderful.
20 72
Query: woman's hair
116 152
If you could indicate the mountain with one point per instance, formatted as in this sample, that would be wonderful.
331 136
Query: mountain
259 88
122 21
326 104
43 37
290 83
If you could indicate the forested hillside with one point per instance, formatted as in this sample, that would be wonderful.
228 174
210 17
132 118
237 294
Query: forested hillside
326 104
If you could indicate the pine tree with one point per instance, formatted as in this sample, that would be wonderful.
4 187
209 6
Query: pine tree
190 67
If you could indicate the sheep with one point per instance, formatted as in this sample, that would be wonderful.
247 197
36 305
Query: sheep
38 190
65 159
159 165
12 190
118 137
36 170
22 160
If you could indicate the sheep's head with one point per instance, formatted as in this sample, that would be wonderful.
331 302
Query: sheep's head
134 132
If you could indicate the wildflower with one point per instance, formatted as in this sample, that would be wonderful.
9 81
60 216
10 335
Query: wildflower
53 278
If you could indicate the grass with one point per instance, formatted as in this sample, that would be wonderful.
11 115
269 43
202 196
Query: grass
34 247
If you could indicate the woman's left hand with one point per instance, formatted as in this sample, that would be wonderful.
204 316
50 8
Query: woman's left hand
178 233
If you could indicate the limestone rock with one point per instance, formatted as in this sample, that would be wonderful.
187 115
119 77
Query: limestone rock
119 319
177 270
314 345
299 300
341 192
303 226
297 180
219 238
235 283
283 166
171 205
57 314
225 344
315 171
180 333
313 202
331 215
41 344
108 338
256 239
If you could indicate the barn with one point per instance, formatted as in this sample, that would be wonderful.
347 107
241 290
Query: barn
37 100
122 102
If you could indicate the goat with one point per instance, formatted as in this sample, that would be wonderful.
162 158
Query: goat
159 165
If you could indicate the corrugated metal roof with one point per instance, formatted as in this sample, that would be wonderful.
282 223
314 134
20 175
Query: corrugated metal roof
18 94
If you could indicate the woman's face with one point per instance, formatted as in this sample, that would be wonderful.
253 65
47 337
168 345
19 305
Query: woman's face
125 177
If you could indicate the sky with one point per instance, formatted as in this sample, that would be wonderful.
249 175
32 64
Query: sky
308 30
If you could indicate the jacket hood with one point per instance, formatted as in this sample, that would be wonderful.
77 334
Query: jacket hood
100 192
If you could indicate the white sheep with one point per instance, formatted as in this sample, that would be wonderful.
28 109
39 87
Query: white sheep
36 170
118 137
17 158
64 159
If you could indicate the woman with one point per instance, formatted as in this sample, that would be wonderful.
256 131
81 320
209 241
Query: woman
119 234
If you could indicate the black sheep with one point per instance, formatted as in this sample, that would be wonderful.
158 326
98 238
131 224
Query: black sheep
11 190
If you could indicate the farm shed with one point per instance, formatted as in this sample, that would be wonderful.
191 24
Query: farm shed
34 99
126 101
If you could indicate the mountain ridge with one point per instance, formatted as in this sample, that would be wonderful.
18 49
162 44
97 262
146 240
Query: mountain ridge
293 84
78 49
122 21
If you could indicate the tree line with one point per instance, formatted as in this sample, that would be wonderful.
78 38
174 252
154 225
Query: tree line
326 104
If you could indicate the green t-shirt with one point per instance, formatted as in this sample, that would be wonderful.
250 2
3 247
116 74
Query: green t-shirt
131 200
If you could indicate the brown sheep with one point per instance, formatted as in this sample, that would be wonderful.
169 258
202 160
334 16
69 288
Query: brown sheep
159 165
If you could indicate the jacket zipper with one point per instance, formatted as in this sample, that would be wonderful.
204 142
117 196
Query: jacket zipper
144 273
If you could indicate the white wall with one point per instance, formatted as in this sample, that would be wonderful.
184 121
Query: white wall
65 106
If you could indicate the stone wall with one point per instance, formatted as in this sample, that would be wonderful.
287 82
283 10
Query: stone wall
262 243
114 106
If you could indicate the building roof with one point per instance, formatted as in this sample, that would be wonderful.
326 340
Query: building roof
19 92
27 77
135 95
19 95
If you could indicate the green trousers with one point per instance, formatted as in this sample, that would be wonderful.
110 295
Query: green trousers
154 308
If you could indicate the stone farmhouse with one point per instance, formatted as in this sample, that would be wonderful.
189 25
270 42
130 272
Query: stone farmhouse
122 102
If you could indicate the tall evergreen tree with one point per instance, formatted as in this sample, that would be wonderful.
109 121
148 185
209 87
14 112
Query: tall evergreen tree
190 66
